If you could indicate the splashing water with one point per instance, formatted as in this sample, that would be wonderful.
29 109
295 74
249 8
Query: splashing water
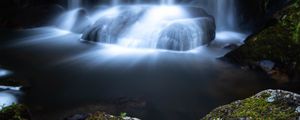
165 26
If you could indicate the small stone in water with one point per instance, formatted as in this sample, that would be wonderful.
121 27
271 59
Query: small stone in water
267 65
298 109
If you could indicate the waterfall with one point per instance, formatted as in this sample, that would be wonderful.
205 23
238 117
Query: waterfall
131 23
163 2
223 11
73 4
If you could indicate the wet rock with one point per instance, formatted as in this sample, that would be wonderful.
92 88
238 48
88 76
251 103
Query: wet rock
268 104
76 21
231 46
267 65
298 109
82 22
15 112
78 117
110 26
182 35
104 116
279 42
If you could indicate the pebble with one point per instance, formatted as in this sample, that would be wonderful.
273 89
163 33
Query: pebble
271 99
267 65
298 109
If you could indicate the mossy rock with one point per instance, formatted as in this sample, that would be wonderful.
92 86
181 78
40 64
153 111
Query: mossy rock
15 112
278 42
267 105
100 116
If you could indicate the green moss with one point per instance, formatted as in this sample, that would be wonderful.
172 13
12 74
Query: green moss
104 116
257 108
15 112
279 42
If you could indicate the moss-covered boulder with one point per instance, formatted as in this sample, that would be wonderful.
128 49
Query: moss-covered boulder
266 105
104 116
15 112
278 42
100 116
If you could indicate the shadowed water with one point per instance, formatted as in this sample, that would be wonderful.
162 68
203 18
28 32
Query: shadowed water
68 76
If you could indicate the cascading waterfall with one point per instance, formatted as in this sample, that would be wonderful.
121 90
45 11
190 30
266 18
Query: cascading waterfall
165 26
223 11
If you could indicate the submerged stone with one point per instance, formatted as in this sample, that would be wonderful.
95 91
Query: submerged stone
267 65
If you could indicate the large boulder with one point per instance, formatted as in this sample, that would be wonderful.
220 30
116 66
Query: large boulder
266 105
112 24
187 34
279 42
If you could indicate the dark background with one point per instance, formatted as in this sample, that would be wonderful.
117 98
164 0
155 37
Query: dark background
18 14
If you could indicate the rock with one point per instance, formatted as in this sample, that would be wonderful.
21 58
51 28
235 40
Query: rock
111 25
15 112
298 109
76 21
82 22
78 117
231 46
104 116
278 42
187 34
267 65
268 104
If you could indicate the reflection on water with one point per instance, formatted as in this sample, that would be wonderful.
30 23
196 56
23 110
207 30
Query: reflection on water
68 74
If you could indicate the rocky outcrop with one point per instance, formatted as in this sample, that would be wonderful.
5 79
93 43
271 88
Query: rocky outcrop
266 105
279 42
15 112
100 116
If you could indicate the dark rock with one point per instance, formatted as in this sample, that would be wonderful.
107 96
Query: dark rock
78 117
279 43
231 46
182 35
15 112
267 65
109 27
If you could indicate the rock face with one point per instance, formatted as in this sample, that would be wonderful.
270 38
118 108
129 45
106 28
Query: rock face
279 42
268 105
15 112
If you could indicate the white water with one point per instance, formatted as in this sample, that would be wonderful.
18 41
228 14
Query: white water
224 12
166 26
163 2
